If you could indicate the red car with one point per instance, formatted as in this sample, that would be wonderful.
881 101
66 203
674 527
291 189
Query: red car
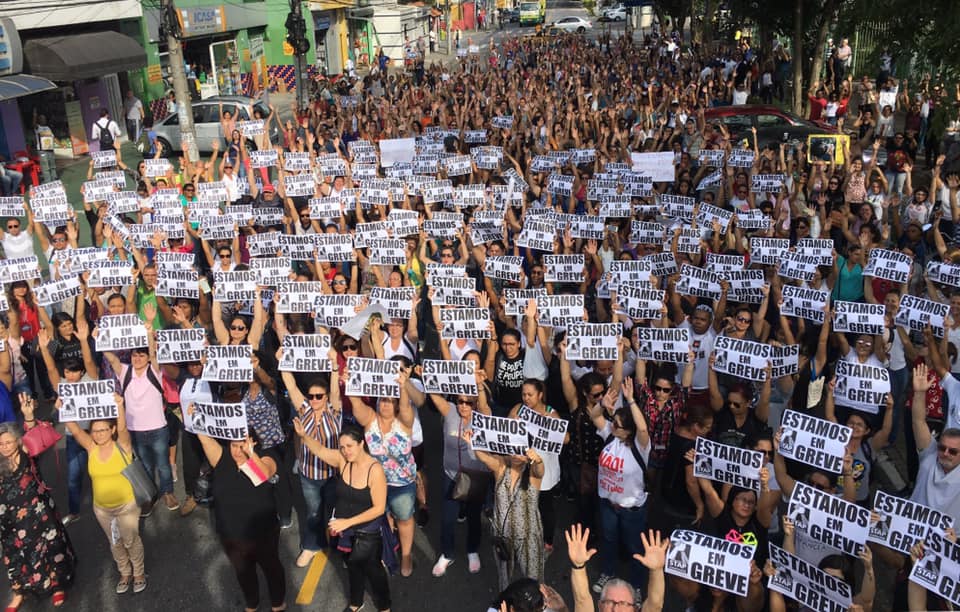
773 124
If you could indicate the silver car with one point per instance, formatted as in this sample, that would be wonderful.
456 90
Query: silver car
206 121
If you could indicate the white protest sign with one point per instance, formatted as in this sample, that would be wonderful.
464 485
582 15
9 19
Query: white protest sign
713 562
110 274
915 313
335 310
559 310
120 332
741 358
516 299
498 435
221 421
829 519
305 353
903 523
785 360
156 168
745 285
658 166
731 464
814 441
453 291
939 570
698 282
465 323
805 303
373 377
178 283
593 341
544 434
859 318
860 386
563 268
58 291
768 251
180 345
671 344
797 266
235 286
450 377
87 400
889 265
19 269
821 248
229 363
298 297
944 273
808 584
397 300
505 268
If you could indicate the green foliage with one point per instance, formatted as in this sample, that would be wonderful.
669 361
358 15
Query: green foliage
590 6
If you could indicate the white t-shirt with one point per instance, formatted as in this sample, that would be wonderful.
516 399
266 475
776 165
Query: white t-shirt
620 478
702 346
740 97
20 245
952 386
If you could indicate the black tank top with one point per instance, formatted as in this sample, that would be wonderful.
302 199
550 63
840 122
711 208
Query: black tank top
243 511
350 500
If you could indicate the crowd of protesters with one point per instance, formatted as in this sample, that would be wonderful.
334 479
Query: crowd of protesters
546 130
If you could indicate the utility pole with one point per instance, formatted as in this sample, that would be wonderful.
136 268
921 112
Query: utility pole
297 38
449 33
170 25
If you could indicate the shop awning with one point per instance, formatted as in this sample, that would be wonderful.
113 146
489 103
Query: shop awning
83 56
16 85
360 14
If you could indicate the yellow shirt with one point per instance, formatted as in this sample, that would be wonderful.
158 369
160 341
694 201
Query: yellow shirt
110 487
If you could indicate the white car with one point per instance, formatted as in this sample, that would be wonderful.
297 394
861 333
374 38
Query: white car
572 24
617 13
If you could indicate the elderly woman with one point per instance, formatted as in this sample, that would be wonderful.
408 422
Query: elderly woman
36 549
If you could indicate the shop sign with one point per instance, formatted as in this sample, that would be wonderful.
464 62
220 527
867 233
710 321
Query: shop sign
256 47
321 22
287 48
11 56
78 133
203 20
154 73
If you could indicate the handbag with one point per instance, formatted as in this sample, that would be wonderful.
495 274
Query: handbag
40 437
144 488
366 545
469 486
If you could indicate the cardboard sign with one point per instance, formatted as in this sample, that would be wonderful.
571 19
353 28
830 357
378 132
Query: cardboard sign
305 353
450 377
829 519
731 464
716 563
903 523
373 377
862 387
221 421
180 346
229 363
498 435
741 358
816 442
671 345
593 341
859 318
120 332
808 584
87 401
544 434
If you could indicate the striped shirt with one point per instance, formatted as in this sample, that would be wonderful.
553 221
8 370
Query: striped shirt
325 428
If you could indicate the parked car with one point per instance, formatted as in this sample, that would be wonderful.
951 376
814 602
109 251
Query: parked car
572 24
510 15
615 13
206 121
773 124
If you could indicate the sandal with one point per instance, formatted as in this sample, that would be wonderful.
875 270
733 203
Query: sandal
139 584
58 599
124 585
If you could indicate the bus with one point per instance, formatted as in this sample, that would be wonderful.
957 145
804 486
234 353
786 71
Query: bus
533 12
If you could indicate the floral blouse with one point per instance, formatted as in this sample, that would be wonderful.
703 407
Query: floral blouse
262 415
394 451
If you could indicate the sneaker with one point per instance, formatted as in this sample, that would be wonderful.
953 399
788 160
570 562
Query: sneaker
473 559
286 523
601 582
188 506
171 501
306 557
139 586
147 509
70 518
440 567
124 585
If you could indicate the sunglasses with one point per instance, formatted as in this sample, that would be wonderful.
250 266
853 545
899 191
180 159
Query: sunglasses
238 328
465 402
663 389
316 396
596 395
744 320
59 240
943 448
13 226
349 347
224 255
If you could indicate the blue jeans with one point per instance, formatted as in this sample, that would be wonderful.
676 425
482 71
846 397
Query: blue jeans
448 523
76 468
622 525
319 497
153 448
899 379
9 181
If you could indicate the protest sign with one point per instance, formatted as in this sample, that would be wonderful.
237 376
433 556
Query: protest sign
87 400
228 363
741 358
813 441
498 435
745 285
659 166
785 360
731 464
915 313
544 434
768 251
179 345
298 297
860 386
698 282
515 300
120 332
677 206
397 300
767 183
719 263
635 272
713 562
235 286
450 377
821 248
393 150
58 291
939 570
19 269
805 303
753 219
559 310
373 377
563 268
263 159
671 344
334 310
156 167
110 274
859 318
178 283
305 353
944 273
221 421
662 264
643 232
271 270
829 519
903 522
453 291
797 266
12 206
808 584
387 251
506 268
460 323
740 158
593 341
893 266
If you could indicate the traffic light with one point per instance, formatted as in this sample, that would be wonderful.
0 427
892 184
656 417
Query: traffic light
297 33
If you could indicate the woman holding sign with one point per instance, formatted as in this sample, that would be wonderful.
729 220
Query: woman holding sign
240 330
109 450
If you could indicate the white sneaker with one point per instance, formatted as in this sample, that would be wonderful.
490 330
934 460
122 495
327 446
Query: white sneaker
440 567
474 560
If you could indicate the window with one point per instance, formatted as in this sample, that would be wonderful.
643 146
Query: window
771 121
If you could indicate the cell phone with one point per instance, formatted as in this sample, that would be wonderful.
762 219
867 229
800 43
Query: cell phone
613 229
205 285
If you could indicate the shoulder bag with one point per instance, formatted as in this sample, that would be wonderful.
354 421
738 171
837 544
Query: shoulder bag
144 488
39 438
468 485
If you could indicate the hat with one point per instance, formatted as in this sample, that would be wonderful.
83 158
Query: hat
268 188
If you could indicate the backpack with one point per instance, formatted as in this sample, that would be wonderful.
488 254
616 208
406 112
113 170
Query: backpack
128 376
145 143
106 136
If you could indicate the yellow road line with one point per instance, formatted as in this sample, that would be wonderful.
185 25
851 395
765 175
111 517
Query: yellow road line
310 582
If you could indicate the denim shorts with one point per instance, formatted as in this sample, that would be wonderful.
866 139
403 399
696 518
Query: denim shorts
402 501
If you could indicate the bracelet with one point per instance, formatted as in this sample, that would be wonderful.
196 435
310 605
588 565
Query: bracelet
578 567
29 420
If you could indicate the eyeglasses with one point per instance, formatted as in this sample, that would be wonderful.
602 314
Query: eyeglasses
864 343
238 328
349 347
339 281
316 396
13 226
663 389
943 448
613 604
59 240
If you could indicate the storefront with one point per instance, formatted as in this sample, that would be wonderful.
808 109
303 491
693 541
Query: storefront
330 38
13 86
387 28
